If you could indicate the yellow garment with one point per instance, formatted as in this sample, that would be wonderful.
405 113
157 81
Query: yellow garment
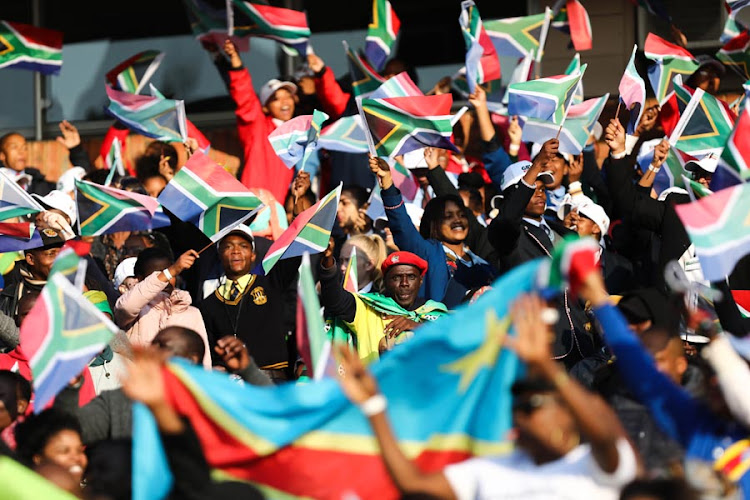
242 284
368 326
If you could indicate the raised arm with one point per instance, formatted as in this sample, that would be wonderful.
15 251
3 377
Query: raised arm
362 389
660 155
332 98
337 301
249 109
71 139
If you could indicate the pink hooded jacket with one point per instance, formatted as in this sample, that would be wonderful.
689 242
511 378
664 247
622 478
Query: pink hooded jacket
146 309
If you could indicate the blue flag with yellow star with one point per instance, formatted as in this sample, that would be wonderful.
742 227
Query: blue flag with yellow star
448 391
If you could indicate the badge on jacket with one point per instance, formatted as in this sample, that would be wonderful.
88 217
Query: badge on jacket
259 295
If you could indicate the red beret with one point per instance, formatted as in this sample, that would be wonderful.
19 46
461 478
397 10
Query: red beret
408 258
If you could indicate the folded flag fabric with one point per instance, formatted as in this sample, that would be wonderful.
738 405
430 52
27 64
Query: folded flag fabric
105 210
23 230
351 283
312 342
113 161
494 90
209 23
287 26
295 140
456 404
669 60
69 264
519 36
733 27
572 260
736 152
381 33
632 92
161 119
207 196
23 46
544 98
576 130
16 243
365 79
575 67
703 125
482 62
672 171
736 54
133 73
719 228
14 201
345 134
60 336
398 125
309 232
400 85
521 73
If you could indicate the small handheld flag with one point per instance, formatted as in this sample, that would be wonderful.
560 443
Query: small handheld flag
23 46
161 119
312 342
295 140
703 125
114 162
544 98
287 26
61 334
632 92
133 73
345 134
669 60
351 282
209 197
309 232
482 63
381 33
519 36
14 201
736 54
364 78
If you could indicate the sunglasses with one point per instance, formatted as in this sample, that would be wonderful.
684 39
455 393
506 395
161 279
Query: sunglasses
529 405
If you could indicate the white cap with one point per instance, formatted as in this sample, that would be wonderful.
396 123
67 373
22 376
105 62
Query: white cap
595 213
568 201
66 183
60 201
707 163
515 172
244 231
269 89
124 270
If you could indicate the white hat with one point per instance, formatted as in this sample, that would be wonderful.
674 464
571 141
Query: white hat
124 270
59 201
67 181
515 172
269 89
244 231
568 201
595 213
707 163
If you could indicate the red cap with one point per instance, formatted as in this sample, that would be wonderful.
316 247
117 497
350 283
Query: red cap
408 258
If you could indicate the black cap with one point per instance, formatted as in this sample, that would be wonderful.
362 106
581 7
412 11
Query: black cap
471 180
50 238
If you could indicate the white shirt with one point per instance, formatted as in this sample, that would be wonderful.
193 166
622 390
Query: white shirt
516 476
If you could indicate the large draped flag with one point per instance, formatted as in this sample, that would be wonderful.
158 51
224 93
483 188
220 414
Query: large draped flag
345 134
14 201
295 140
207 196
632 92
576 130
575 67
669 60
703 126
381 33
544 98
152 116
482 63
398 125
103 210
736 54
309 232
312 342
23 46
736 152
364 78
449 399
287 26
519 36
60 336
133 73
719 227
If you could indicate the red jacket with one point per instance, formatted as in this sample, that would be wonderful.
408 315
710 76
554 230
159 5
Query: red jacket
332 98
263 168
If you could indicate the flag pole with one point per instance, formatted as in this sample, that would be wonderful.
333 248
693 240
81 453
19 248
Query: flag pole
617 113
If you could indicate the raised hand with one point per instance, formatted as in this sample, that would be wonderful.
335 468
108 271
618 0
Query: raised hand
479 98
315 63
661 151
515 132
357 383
575 170
184 261
614 137
548 152
144 381
432 157
231 51
648 120
532 340
233 352
191 146
380 168
70 137
301 184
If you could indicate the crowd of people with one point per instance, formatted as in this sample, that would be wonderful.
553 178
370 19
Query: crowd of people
634 385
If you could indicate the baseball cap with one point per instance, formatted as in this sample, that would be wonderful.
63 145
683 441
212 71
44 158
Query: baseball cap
397 258
244 231
125 270
67 181
596 213
59 201
269 89
50 238
515 172
707 163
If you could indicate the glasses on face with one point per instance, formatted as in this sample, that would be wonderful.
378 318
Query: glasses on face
529 405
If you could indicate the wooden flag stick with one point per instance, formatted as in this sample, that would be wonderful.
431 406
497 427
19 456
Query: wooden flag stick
558 132
205 248
619 103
